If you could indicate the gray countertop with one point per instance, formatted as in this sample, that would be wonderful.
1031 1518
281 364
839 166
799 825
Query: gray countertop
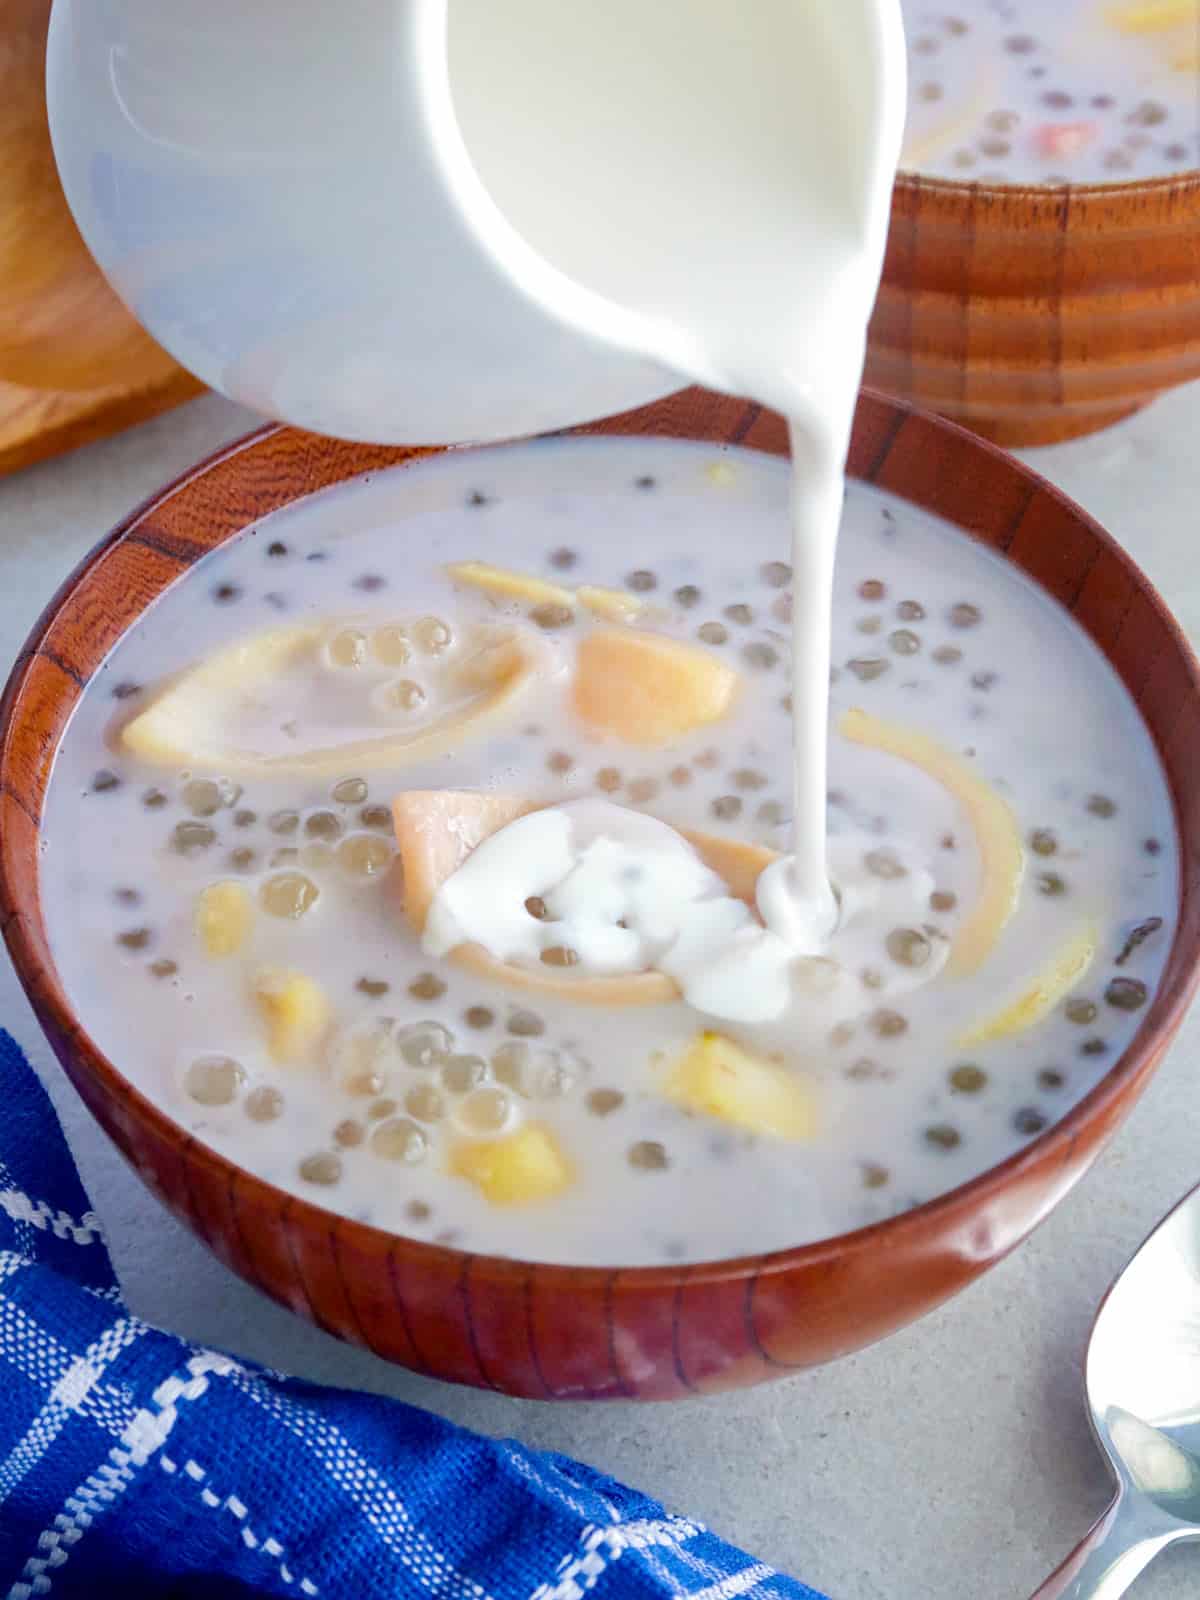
954 1460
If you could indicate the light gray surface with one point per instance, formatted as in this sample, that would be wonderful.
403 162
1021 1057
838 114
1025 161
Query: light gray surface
952 1462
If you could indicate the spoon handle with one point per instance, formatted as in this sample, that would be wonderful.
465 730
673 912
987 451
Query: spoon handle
1120 1546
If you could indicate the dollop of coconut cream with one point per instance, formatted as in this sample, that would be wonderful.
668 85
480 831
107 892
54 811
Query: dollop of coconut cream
628 894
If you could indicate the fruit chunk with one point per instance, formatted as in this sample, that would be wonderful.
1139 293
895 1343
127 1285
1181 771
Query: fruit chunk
614 605
296 1011
717 1078
1066 968
647 689
1001 853
519 1169
188 723
223 919
436 830
1153 16
511 585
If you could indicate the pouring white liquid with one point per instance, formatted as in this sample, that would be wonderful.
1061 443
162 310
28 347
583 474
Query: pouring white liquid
755 298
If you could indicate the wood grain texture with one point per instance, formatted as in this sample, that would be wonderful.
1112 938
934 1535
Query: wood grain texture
1035 315
74 364
562 1332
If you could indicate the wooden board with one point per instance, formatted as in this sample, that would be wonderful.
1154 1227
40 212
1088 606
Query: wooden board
37 423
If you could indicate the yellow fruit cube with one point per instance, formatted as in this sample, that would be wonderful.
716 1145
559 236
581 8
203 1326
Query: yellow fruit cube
296 1011
648 689
224 917
510 585
519 1169
717 1078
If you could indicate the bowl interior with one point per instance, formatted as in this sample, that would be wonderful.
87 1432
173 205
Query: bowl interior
935 465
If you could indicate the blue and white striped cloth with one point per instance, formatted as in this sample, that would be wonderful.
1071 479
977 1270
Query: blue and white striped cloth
133 1464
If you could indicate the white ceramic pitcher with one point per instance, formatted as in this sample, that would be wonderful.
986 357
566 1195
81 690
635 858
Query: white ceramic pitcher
434 220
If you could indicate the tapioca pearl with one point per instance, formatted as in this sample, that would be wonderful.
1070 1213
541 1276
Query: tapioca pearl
885 864
560 955
125 896
163 968
873 1175
713 633
391 645
264 1104
289 895
432 636
427 986
887 1024
1051 1079
1050 884
760 656
871 978
643 790
364 855
283 822
929 91
942 1136
910 611
380 1110
373 988
782 607
1149 114
479 1017
993 146
726 807
349 791
608 780
925 45
1177 152
403 694
785 701
418 1211
687 596
739 613
550 615
967 1078
948 842
942 900
648 1155
105 781
1118 161
425 1102
202 797
425 1044
459 1074
192 838
776 574
679 777
225 594
370 582
708 760
400 1139
154 799
524 1024
126 689
642 581
214 1080
536 907
603 1102
510 1064
559 763
324 825
908 947
485 1110
1093 1047
245 818
378 818
1029 1121
277 550
749 778
1020 44
1043 842
1099 805
904 642
947 655
868 668
1081 1011
322 1168
563 559
771 813
964 615
1126 994
346 648
349 1133
243 859
864 1070
477 499
964 159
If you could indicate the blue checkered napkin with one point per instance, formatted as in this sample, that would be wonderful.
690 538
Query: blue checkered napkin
133 1464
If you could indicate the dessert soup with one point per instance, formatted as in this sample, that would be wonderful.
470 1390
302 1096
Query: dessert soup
1077 91
430 851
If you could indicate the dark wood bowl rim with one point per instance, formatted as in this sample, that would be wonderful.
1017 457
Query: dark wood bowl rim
920 1224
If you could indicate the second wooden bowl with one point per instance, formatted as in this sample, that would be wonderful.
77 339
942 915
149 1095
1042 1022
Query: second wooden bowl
1033 315
559 1332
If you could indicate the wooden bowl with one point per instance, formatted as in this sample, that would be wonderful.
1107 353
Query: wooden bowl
1033 315
571 1332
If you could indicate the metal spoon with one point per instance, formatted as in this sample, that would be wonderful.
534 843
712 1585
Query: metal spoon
1143 1390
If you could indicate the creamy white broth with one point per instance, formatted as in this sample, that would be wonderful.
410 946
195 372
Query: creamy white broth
699 534
1080 91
